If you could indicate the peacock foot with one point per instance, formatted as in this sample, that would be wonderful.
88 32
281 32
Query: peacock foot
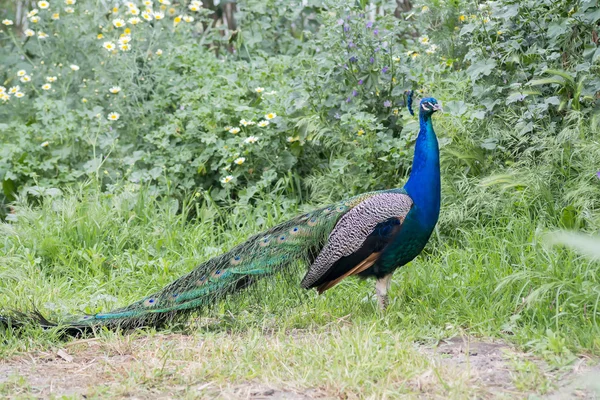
381 288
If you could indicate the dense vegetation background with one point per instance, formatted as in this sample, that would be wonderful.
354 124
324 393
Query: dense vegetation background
139 138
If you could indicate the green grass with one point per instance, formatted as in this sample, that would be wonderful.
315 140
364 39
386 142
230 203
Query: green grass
88 252
340 359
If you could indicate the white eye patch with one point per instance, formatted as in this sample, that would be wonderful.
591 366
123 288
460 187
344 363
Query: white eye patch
425 107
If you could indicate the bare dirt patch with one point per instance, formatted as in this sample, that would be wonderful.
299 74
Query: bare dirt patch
137 367
581 384
487 363
93 368
499 368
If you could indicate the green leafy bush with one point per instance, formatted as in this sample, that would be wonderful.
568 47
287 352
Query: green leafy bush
153 96
538 56
189 99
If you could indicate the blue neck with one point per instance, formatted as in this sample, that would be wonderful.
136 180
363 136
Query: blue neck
423 185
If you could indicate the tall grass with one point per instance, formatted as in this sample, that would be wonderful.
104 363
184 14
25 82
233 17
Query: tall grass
86 251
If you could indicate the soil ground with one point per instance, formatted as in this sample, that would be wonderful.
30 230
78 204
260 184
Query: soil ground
92 368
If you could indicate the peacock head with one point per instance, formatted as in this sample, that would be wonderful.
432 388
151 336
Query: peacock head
428 106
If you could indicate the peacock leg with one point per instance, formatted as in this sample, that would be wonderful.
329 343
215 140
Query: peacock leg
381 288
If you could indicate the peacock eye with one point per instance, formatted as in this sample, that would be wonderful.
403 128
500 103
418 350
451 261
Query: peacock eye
236 260
149 302
201 281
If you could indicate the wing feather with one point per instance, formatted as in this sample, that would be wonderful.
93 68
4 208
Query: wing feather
354 228
360 267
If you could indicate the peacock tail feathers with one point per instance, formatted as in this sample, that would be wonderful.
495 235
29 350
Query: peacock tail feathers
274 252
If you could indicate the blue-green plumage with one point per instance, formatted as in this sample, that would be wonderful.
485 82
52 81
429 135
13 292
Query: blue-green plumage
369 235
424 188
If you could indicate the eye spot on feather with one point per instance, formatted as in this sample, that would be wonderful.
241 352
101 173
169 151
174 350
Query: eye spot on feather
294 231
264 241
304 217
340 208
201 281
149 302
175 295
312 221
217 273
236 260
281 238
86 317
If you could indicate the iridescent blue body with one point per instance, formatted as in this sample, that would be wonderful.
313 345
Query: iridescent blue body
424 188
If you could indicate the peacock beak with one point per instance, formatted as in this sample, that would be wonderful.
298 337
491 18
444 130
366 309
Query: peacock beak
438 107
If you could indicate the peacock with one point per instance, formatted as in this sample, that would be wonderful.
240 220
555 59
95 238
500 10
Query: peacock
369 235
